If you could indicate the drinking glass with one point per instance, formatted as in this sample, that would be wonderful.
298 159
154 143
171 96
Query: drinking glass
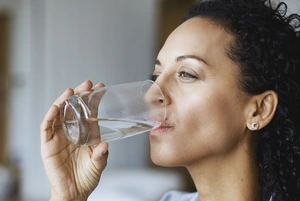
113 112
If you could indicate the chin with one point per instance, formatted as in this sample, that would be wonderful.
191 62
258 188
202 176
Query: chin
162 163
164 159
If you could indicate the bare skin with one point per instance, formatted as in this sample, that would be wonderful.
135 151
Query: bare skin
73 171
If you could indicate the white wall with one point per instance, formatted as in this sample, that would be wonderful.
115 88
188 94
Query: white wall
294 5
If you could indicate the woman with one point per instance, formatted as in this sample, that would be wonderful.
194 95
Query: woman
228 73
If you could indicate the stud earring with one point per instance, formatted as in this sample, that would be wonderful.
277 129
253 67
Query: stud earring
255 126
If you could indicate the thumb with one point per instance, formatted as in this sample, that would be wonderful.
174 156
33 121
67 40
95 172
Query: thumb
100 155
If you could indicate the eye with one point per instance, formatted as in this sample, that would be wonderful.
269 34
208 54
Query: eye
185 75
153 77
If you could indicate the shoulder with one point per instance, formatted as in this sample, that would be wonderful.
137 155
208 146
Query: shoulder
180 196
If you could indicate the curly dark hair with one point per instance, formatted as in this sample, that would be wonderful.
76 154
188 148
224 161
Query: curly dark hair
267 48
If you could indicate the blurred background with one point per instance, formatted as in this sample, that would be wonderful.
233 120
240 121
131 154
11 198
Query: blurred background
49 45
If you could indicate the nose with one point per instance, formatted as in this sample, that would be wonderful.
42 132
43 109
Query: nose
154 96
155 101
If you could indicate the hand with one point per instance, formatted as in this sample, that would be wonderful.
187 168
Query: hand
73 171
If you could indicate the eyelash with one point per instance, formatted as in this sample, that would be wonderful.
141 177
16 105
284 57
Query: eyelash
186 75
181 74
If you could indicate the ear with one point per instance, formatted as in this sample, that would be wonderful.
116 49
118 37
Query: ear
261 110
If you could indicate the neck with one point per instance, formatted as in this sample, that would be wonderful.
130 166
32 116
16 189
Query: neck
226 177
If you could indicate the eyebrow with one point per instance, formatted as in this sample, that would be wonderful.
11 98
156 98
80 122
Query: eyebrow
183 57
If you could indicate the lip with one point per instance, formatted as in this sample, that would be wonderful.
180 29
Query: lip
160 128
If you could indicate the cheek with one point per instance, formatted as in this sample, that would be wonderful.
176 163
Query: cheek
213 123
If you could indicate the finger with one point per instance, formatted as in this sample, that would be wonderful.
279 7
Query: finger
68 92
95 99
98 85
46 125
85 86
100 155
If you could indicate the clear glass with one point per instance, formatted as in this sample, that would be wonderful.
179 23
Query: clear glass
113 112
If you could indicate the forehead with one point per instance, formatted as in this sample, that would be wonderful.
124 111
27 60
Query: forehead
199 36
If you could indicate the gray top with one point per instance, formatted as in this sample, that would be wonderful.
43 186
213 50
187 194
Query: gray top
182 196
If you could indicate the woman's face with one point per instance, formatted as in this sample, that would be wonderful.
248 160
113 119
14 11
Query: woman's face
205 107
